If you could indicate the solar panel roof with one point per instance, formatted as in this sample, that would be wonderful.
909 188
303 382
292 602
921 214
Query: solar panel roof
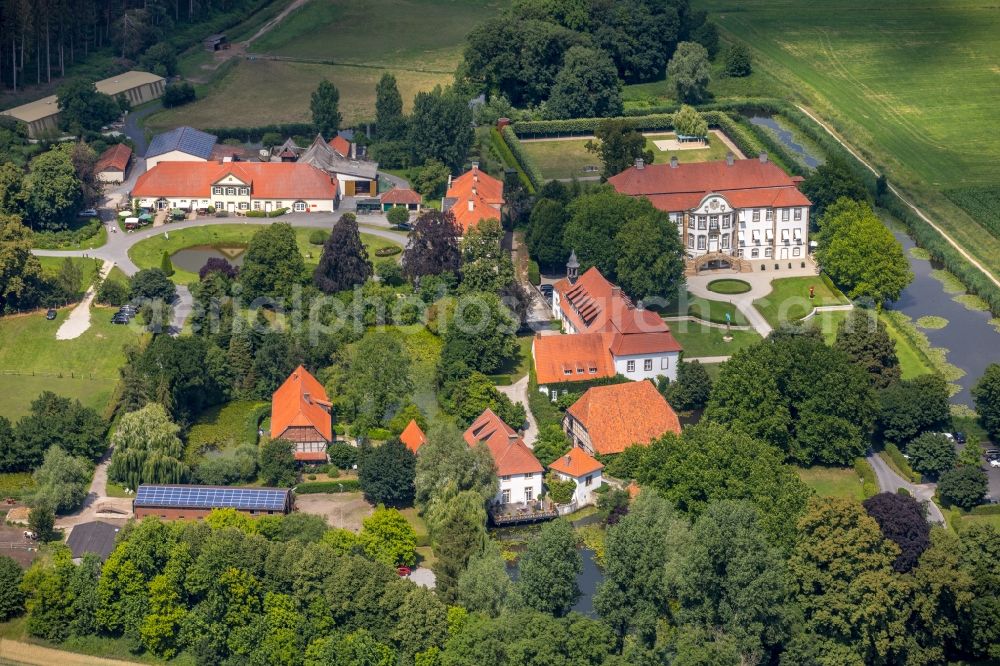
186 139
212 497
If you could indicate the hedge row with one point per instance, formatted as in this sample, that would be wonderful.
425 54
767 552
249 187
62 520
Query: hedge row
901 464
317 487
869 485
251 134
527 165
505 154
986 510
260 213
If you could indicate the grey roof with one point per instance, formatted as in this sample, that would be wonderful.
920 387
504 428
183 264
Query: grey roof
212 497
573 261
322 156
289 144
185 139
94 537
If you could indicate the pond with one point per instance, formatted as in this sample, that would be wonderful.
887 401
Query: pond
972 342
192 258
788 139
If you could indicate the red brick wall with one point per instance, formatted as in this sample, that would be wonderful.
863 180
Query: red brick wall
186 514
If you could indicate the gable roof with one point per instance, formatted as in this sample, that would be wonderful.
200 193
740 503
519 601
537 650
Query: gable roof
94 537
474 196
301 401
268 180
185 139
744 183
572 358
401 195
510 453
412 436
341 145
576 463
620 415
322 156
114 158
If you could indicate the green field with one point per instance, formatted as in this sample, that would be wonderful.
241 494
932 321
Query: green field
88 268
148 253
32 360
905 82
566 158
789 299
700 340
832 481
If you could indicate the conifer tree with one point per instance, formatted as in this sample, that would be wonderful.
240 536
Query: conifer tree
345 262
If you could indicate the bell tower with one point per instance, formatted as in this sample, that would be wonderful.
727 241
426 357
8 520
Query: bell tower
572 268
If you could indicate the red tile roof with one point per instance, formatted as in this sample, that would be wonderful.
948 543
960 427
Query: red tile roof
510 453
578 354
745 184
401 195
478 196
620 415
341 145
412 436
576 463
310 456
114 158
300 401
268 180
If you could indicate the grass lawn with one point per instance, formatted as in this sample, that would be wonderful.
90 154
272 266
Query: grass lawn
789 298
424 350
223 427
566 158
703 308
518 367
32 360
88 268
700 340
262 92
828 323
729 286
900 80
15 484
911 361
832 481
148 253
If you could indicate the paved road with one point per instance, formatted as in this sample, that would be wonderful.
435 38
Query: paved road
890 482
518 392
134 131
79 319
36 655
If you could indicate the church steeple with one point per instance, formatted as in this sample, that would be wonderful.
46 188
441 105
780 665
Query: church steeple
572 268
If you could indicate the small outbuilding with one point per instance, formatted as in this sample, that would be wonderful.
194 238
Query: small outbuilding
584 470
401 197
94 537
216 42
112 165
181 144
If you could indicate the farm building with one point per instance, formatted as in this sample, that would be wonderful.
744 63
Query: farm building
300 413
726 212
236 187
216 42
355 177
173 502
43 115
181 144
609 419
473 196
94 537
112 165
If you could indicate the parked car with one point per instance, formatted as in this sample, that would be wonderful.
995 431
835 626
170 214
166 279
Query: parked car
128 309
959 437
51 314
89 212
546 290
995 462
119 318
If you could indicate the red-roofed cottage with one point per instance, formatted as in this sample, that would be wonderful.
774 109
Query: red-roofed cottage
609 419
749 209
401 197
519 471
473 196
584 470
300 413
412 436
608 335
237 186
112 165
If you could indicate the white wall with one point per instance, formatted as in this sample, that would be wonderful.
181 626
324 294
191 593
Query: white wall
516 483
668 359
111 176
248 203
584 494
172 156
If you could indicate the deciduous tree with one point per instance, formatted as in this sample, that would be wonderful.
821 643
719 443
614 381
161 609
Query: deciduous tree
387 538
901 519
273 265
650 257
932 454
390 124
587 86
548 570
386 473
913 406
986 393
692 388
866 341
618 146
545 233
344 262
739 62
20 270
485 586
689 122
832 181
11 595
82 107
690 72
440 127
54 194
963 486
152 284
277 463
61 481
434 245
57 421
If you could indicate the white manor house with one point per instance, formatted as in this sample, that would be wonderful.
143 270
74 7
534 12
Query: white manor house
743 209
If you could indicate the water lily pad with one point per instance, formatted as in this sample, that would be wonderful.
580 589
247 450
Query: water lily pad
920 253
972 302
951 284
932 322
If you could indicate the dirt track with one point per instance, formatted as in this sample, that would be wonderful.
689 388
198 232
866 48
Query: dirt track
17 652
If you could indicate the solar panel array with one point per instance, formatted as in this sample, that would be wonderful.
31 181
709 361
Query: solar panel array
187 139
210 497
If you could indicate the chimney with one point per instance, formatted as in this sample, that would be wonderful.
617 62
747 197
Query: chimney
640 163
474 190
616 291
472 205
763 158
513 437
730 158
673 161
568 458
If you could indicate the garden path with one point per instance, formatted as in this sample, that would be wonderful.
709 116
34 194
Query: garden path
518 392
78 321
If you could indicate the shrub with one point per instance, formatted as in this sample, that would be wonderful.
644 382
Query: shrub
523 162
277 212
560 491
317 487
178 94
342 455
256 213
112 292
534 275
963 486
388 251
318 236
869 485
738 61
397 215
901 464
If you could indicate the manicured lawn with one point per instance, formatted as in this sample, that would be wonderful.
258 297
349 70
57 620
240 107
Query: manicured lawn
32 360
832 481
700 340
911 361
516 368
88 268
148 253
703 308
261 92
828 323
729 286
789 298
566 158
901 81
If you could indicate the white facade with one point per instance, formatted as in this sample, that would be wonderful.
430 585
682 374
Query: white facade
751 233
517 488
233 195
172 156
649 366
115 176
585 486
